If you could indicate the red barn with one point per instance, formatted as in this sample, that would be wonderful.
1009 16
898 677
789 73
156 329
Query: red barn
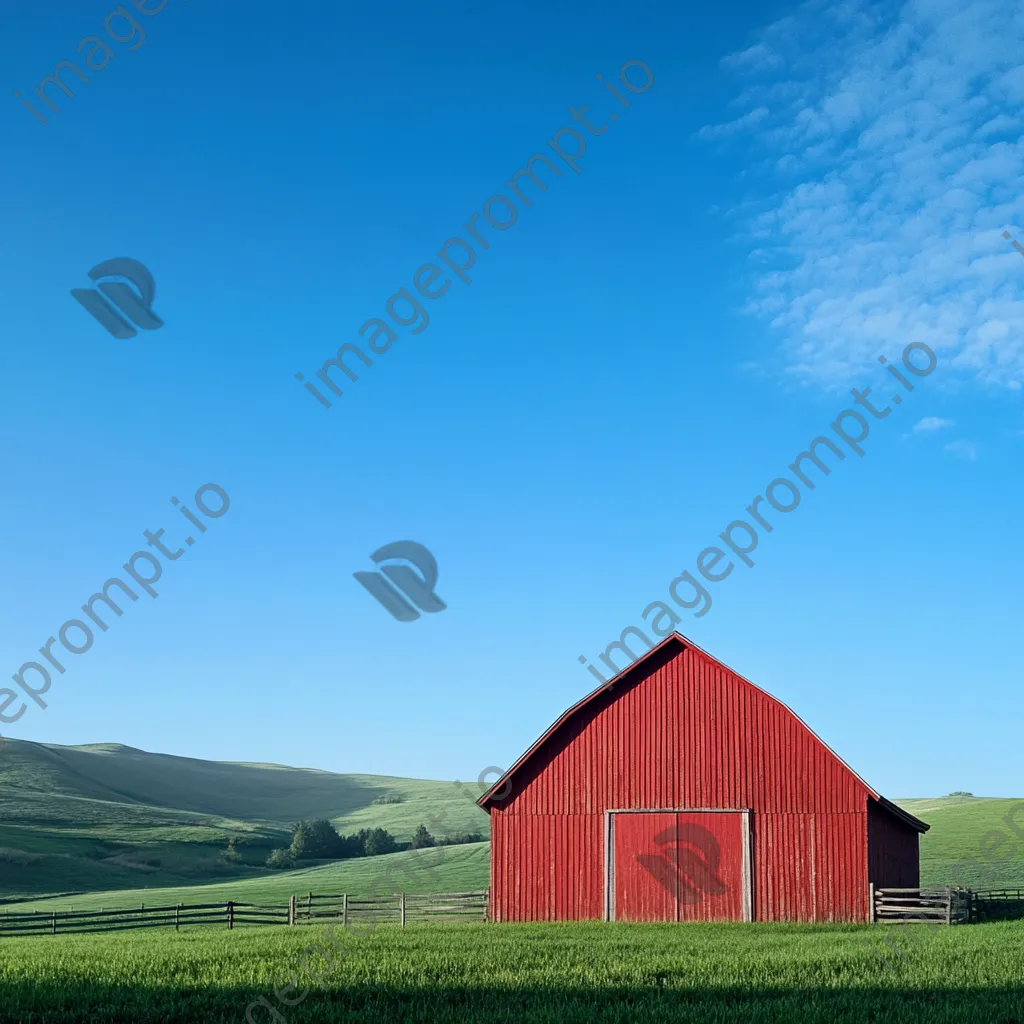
680 791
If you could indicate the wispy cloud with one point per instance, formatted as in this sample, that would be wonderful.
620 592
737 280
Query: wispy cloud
759 57
717 131
931 423
889 160
965 449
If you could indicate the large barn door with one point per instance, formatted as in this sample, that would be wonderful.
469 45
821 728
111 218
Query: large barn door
678 866
643 890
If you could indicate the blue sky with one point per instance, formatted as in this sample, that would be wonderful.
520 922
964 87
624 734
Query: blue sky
802 189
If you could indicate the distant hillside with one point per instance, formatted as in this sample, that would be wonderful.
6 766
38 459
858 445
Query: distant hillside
106 816
456 869
958 826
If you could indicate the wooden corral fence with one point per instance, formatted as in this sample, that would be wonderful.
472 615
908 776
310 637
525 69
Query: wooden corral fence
997 904
309 909
401 908
948 905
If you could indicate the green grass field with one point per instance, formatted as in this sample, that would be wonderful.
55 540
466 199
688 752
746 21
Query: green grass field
107 817
555 974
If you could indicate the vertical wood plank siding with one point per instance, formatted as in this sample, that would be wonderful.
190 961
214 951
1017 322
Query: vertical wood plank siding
684 733
893 852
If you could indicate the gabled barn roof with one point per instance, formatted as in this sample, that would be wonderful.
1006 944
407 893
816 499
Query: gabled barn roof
678 640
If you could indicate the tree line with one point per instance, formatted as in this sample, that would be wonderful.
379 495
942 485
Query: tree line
320 840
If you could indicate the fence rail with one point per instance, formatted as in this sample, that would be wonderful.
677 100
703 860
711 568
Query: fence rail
401 908
997 904
948 905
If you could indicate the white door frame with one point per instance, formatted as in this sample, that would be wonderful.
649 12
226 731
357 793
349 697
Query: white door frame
609 850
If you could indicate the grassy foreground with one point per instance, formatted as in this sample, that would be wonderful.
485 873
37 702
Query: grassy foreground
554 973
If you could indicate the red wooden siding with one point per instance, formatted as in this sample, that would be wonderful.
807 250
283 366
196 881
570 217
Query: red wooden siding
683 731
640 894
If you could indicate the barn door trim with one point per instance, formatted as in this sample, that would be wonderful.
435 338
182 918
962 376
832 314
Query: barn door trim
609 848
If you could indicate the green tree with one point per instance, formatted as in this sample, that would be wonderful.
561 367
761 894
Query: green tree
315 839
379 841
422 838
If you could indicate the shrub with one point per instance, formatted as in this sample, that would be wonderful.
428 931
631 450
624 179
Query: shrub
390 798
280 859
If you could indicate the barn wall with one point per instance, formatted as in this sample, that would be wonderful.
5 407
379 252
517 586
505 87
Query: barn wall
893 850
542 866
688 734
810 867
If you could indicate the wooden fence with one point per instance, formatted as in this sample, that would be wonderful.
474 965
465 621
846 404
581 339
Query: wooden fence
402 908
937 906
309 909
997 904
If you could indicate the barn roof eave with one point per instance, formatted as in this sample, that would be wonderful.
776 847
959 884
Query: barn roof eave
681 641
903 815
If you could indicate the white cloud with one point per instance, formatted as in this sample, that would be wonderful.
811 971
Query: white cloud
965 449
897 135
759 57
931 423
717 131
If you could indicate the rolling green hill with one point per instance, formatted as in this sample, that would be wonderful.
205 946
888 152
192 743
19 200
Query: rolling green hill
952 852
106 816
453 869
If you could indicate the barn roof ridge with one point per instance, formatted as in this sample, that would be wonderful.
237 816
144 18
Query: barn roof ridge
684 642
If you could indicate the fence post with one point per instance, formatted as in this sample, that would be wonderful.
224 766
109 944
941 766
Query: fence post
53 925
871 902
291 910
949 905
231 914
402 906
309 907
344 909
